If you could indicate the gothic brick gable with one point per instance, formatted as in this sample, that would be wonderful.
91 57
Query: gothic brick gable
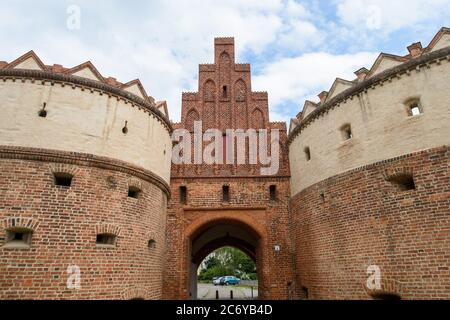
225 100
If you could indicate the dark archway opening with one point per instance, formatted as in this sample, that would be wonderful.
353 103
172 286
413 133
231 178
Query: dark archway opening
217 236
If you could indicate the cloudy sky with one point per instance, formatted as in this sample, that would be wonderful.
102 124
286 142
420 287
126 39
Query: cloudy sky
296 48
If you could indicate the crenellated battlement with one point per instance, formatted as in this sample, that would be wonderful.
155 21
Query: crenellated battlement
206 67
189 96
242 67
260 95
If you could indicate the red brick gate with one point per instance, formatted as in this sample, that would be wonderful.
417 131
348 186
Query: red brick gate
228 204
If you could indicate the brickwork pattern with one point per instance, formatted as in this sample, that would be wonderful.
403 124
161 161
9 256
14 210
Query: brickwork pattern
364 220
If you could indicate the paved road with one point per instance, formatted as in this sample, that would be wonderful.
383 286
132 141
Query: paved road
208 292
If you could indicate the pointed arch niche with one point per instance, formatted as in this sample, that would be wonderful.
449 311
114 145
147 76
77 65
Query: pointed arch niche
209 107
209 91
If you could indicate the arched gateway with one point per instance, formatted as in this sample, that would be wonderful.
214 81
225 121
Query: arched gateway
233 203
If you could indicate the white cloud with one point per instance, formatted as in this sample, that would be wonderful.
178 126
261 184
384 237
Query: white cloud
303 77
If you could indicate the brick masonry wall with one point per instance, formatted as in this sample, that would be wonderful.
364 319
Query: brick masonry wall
65 223
225 101
364 220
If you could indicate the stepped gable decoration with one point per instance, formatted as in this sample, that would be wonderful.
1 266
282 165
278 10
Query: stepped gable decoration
86 70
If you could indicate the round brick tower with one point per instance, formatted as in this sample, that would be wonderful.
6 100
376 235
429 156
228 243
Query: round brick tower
370 181
84 183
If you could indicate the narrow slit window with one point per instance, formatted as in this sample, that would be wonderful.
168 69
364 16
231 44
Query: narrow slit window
63 179
183 195
346 132
106 239
226 194
134 192
308 154
18 238
273 193
224 92
43 113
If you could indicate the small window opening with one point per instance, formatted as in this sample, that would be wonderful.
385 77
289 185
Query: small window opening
106 239
152 244
347 133
226 194
414 109
404 181
63 179
134 192
225 92
305 293
183 195
273 193
18 237
43 113
308 154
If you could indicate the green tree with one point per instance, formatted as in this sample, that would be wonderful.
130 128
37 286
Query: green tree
227 261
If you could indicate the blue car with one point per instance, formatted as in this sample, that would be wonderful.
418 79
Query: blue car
229 281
